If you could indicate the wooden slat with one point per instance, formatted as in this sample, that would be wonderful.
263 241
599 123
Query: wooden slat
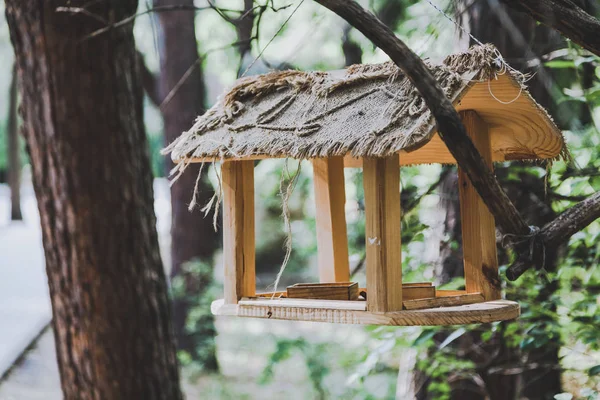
270 294
306 303
325 284
416 292
238 229
443 292
409 284
332 237
444 301
381 180
413 291
333 291
353 312
478 228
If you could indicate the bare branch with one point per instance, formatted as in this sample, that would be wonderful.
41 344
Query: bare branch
81 10
131 19
190 70
221 13
274 36
566 17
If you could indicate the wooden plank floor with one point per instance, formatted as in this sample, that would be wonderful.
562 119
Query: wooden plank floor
354 312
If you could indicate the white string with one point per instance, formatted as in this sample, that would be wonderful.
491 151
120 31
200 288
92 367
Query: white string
502 101
459 26
502 64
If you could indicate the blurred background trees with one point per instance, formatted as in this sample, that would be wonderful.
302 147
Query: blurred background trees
193 55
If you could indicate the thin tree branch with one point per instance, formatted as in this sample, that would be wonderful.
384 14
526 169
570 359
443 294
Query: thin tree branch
131 19
557 196
221 13
179 84
190 70
450 127
559 231
274 36
414 202
566 17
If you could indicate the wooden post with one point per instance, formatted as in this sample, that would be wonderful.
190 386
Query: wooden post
238 230
478 227
381 181
332 237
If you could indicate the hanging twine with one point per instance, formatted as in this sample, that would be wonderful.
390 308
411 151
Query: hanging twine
286 194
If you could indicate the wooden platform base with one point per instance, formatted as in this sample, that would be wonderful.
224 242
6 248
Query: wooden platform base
354 312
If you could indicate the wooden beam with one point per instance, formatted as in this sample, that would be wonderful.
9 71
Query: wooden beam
478 227
332 237
238 230
381 180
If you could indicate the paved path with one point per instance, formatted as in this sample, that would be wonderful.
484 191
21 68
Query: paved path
25 302
36 376
24 299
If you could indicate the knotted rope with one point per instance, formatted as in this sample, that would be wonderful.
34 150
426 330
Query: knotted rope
531 240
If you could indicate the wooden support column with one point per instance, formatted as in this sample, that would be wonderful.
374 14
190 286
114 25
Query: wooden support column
381 181
332 237
238 230
478 226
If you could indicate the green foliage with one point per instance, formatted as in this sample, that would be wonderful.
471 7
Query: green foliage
195 286
313 354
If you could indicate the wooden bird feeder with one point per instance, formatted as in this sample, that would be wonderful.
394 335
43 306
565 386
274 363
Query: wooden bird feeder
369 117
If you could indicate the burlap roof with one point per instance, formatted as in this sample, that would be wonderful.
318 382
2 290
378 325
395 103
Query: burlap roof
368 110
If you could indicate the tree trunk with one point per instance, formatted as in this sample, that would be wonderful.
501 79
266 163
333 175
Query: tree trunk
82 113
192 235
352 50
14 160
243 27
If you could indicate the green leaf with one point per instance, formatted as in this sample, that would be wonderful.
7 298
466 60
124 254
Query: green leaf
452 337
560 64
595 370
424 337
595 182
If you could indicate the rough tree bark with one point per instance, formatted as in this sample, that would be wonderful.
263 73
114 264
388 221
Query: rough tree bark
192 235
82 114
14 159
